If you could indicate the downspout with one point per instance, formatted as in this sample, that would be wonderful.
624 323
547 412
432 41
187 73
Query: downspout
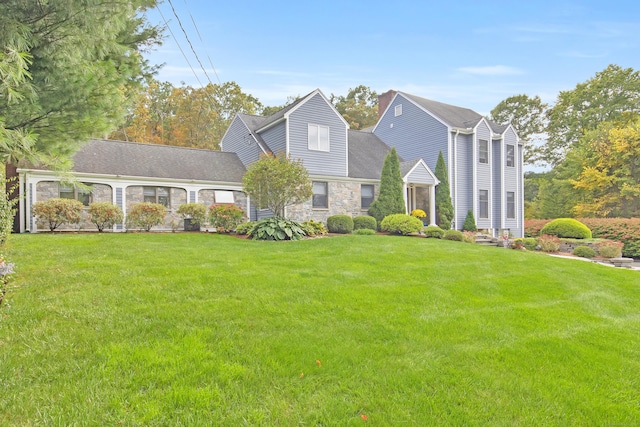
455 180
503 194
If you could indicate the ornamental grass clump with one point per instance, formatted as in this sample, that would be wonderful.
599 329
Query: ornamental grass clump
402 224
610 249
225 218
57 211
104 215
340 224
146 215
548 243
567 228
365 222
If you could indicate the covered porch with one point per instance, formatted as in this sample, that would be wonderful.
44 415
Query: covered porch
419 188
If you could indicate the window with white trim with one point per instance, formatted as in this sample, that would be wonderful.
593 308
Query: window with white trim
483 204
397 110
366 195
511 205
320 198
483 151
511 155
83 195
157 195
318 137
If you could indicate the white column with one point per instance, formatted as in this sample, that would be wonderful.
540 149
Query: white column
432 205
404 192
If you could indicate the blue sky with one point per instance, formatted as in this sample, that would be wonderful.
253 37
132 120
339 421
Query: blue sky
468 53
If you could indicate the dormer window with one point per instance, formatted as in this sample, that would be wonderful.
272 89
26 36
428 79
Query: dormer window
398 110
318 137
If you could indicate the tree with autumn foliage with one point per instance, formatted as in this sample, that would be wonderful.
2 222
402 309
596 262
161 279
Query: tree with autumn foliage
359 107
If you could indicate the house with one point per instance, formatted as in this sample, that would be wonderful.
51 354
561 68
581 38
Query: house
483 159
125 173
344 165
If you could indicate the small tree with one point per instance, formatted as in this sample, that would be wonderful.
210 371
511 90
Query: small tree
275 182
146 215
104 215
56 212
469 222
390 200
444 207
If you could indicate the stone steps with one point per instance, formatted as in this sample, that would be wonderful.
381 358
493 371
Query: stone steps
484 240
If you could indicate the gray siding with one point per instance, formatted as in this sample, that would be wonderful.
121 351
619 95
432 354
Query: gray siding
276 138
238 140
317 111
415 133
420 176
463 200
512 176
483 173
497 185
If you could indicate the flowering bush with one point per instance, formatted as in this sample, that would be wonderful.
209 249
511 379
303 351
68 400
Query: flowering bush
104 215
225 218
418 213
56 212
549 243
610 249
196 211
146 215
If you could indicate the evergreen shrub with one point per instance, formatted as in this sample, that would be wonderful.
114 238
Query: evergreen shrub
364 232
341 224
453 235
530 243
584 252
567 228
366 222
469 222
433 231
402 224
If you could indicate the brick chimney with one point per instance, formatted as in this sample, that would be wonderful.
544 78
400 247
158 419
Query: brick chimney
384 100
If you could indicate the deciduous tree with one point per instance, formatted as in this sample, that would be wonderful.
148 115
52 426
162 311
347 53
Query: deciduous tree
359 108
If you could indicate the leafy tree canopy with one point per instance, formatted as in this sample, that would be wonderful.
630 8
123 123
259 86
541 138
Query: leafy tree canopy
277 181
359 108
66 67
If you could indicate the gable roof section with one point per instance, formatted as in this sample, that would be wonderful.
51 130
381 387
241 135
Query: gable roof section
252 122
418 165
108 157
452 115
366 154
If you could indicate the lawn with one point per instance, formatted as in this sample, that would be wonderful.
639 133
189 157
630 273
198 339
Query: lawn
196 329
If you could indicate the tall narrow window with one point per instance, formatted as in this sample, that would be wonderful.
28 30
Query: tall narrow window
398 110
483 151
483 203
320 197
366 195
318 137
511 155
511 204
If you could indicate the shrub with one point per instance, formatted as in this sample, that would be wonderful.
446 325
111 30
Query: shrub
104 215
567 228
433 231
530 243
469 222
314 228
196 211
625 230
341 224
532 227
610 249
245 228
469 236
518 243
453 235
56 212
276 228
402 224
364 232
365 221
549 243
7 206
146 215
584 252
225 218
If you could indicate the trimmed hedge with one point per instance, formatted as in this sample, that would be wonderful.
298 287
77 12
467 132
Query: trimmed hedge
365 222
567 228
401 224
433 231
341 224
584 252
453 235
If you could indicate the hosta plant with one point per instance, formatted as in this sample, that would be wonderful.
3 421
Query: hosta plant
277 228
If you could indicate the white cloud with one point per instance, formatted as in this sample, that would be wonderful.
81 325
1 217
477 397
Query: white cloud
491 70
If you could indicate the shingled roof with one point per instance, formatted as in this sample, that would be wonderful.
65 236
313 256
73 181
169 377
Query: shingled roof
102 156
366 154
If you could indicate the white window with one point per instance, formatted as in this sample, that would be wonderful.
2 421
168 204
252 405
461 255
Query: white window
366 195
320 197
157 195
80 194
483 203
398 110
223 196
511 155
318 137
511 204
483 151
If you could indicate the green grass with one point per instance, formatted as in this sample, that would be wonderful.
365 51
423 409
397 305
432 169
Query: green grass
195 329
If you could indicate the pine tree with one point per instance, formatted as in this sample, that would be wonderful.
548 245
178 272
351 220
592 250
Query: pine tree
390 200
444 207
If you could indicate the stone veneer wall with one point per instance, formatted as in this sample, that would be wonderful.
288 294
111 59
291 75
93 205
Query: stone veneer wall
208 198
177 196
46 190
343 199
